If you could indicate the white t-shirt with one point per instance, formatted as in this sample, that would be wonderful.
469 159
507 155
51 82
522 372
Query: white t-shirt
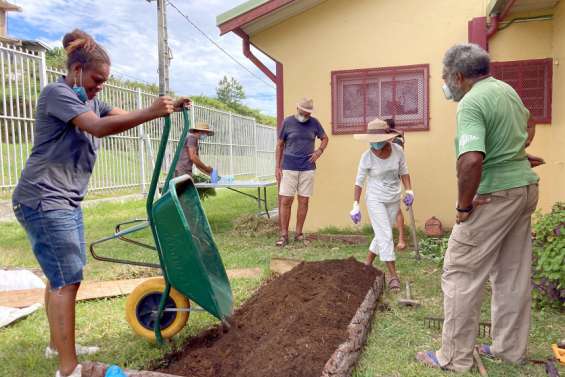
383 175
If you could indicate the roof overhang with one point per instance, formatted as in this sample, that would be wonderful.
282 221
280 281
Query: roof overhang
6 6
254 16
496 7
27 44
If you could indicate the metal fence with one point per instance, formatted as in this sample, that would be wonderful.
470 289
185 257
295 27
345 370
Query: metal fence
240 147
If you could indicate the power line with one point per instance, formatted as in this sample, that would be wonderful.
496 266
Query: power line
218 46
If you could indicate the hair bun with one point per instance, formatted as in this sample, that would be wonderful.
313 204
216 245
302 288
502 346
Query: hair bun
78 39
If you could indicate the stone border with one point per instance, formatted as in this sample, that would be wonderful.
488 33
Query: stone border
345 357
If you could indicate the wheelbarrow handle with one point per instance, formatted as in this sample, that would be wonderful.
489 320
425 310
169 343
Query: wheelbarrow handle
180 147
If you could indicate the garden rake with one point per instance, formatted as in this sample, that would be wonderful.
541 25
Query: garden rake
437 323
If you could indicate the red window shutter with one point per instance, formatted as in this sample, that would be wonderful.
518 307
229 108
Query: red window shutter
532 80
359 96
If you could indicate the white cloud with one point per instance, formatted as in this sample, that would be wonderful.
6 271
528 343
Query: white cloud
128 30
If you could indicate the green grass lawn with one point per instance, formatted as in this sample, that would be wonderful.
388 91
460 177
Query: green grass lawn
396 335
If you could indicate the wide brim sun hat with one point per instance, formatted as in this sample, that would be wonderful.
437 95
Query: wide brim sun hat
202 126
377 131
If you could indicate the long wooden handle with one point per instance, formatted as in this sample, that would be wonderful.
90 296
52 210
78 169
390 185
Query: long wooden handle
482 370
413 230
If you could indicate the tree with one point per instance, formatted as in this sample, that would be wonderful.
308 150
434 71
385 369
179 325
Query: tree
230 91
56 58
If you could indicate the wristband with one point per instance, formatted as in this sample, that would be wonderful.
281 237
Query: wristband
464 210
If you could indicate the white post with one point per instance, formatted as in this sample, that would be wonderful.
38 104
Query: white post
276 137
231 145
42 70
255 126
141 133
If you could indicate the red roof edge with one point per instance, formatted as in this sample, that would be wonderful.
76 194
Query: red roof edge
250 16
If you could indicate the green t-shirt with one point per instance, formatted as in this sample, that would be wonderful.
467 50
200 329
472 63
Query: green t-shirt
492 119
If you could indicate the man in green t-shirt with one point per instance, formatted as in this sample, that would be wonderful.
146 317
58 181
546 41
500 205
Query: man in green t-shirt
497 194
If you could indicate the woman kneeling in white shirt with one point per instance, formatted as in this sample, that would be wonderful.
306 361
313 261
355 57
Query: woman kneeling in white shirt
383 166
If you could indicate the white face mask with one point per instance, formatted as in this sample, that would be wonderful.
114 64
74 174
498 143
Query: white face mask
447 92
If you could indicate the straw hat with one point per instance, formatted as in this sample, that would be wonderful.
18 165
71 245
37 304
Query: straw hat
377 130
202 126
306 105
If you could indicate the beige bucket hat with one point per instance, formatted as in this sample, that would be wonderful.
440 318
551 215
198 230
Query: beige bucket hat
306 104
377 130
202 126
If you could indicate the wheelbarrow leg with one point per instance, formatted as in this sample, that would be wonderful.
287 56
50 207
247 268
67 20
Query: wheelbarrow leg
164 298
265 201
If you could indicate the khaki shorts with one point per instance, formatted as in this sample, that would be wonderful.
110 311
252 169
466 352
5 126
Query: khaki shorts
297 182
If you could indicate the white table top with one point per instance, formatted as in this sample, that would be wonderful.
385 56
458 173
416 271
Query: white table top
236 184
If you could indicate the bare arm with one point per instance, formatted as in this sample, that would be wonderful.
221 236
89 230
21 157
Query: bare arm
324 144
279 154
357 193
318 152
469 170
198 162
406 181
120 122
278 159
535 160
117 111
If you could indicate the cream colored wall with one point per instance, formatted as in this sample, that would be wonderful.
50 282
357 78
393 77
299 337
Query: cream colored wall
343 34
551 140
536 40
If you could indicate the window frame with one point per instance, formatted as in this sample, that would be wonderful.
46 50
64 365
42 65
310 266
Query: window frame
362 74
547 63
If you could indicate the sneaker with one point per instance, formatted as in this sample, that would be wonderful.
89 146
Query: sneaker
51 353
76 373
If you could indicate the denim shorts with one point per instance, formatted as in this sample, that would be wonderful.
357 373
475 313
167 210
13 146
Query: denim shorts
57 240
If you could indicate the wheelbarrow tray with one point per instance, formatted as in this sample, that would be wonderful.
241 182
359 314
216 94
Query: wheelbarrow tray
189 255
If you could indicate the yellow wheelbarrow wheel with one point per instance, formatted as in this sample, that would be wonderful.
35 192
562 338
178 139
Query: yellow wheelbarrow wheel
142 306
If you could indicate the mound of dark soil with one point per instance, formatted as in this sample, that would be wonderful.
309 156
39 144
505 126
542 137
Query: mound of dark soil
290 327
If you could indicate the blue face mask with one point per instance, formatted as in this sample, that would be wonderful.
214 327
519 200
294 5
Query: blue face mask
379 145
79 90
202 136
81 93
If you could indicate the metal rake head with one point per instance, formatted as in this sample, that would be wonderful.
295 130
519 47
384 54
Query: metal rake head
437 323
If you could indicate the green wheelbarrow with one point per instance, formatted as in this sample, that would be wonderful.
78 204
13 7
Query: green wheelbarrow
189 259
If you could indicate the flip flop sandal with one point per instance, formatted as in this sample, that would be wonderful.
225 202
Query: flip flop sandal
484 350
429 359
394 284
301 238
282 241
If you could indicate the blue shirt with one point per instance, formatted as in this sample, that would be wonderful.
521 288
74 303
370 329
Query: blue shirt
299 141
59 167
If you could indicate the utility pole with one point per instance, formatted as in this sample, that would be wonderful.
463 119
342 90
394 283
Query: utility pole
164 51
164 56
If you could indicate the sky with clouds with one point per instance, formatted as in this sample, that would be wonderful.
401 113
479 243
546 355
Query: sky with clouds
128 30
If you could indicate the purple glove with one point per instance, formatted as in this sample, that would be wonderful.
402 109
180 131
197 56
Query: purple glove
214 177
355 213
408 198
356 218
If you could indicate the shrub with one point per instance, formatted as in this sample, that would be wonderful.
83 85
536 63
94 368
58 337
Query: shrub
549 258
433 248
203 193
